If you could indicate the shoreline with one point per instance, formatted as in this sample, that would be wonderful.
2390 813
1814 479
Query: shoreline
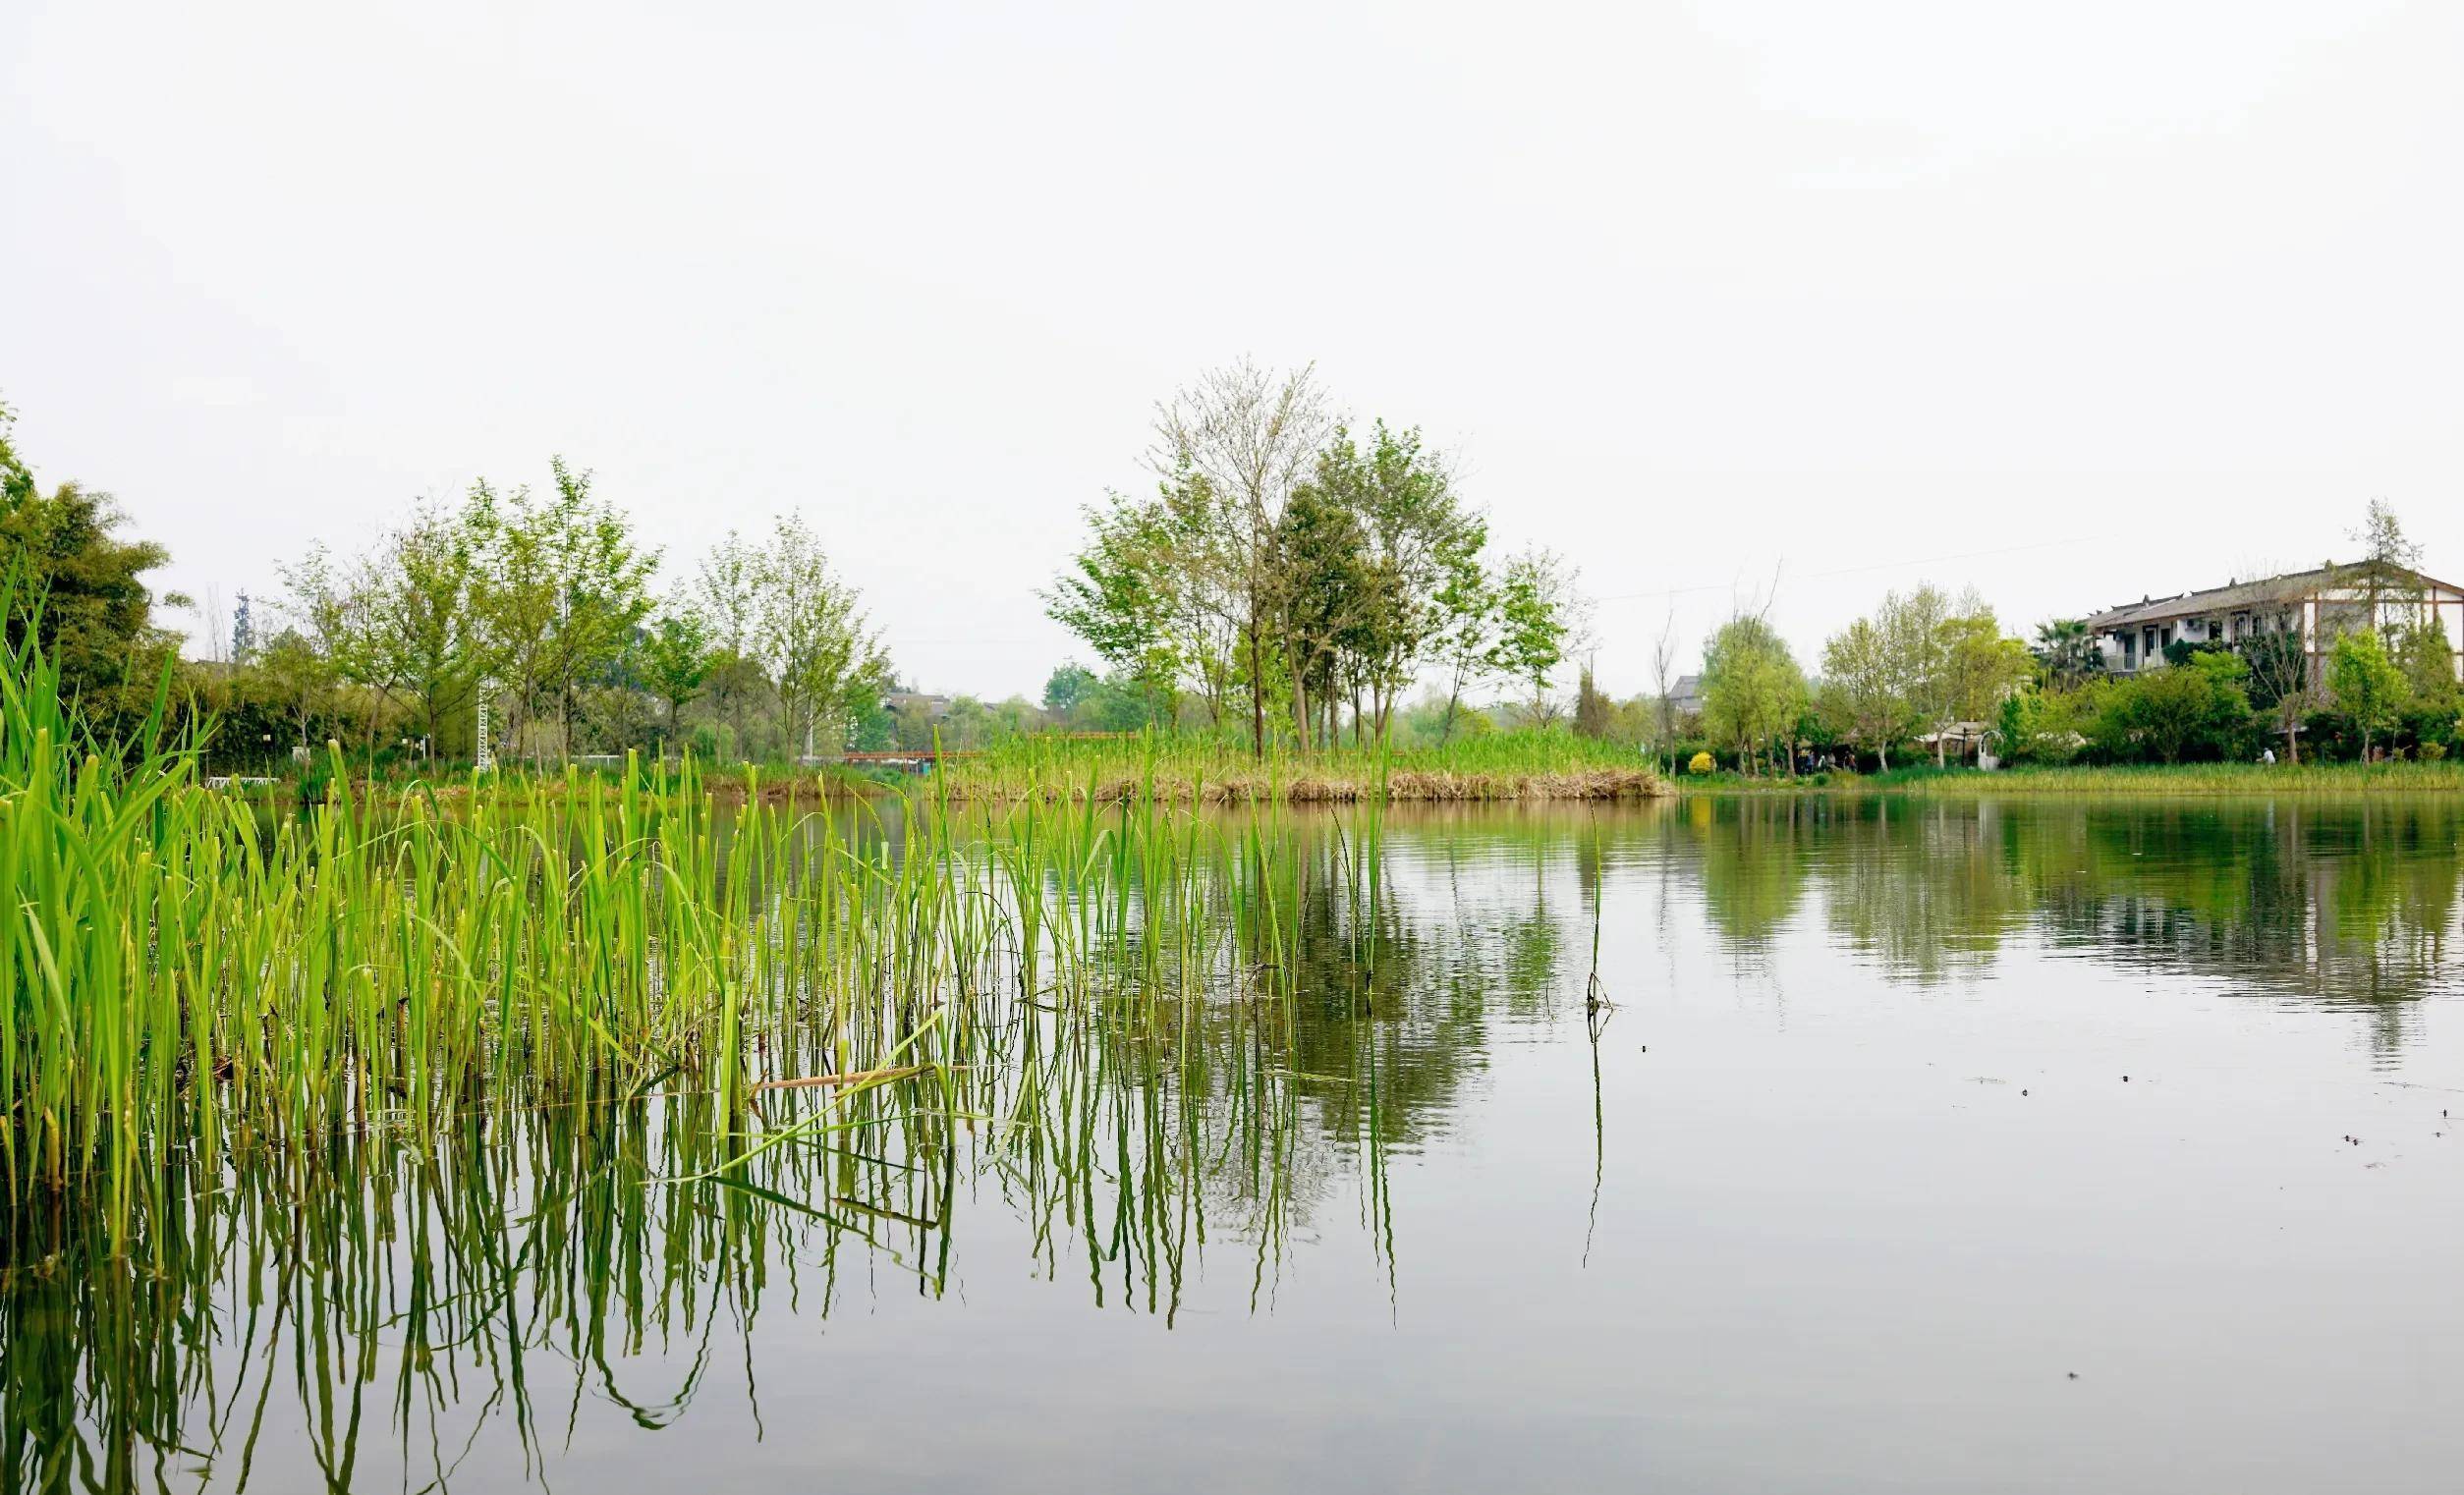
2185 780
1401 786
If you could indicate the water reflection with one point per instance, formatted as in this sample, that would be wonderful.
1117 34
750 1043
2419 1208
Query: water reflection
386 1312
2350 902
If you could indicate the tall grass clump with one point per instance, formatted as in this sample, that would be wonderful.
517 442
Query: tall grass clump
180 972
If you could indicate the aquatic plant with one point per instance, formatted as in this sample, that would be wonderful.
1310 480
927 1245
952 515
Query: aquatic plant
180 967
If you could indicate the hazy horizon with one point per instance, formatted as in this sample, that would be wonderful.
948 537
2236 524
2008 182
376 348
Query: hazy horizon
2070 306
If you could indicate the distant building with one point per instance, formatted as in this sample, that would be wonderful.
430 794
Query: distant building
933 707
1686 696
2318 604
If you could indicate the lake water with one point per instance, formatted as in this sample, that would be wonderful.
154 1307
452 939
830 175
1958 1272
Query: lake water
1914 1147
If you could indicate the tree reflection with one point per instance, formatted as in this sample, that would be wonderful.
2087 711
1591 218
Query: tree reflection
383 1309
2351 902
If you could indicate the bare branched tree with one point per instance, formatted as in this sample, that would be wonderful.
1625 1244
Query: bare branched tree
1242 438
1663 685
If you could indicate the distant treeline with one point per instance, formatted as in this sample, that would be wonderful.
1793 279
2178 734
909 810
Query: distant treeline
1925 674
1291 580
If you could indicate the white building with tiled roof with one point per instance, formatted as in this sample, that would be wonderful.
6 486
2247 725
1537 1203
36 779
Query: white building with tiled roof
2321 604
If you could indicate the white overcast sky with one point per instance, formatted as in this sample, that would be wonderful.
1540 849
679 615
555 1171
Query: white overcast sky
2071 301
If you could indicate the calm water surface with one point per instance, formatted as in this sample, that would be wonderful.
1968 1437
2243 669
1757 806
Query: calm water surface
1921 1148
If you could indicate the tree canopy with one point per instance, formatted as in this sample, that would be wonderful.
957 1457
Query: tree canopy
1288 564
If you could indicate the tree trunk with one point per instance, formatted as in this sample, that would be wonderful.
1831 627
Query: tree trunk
1256 695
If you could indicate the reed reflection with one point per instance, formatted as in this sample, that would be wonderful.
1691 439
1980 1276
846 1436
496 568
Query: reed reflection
1151 1060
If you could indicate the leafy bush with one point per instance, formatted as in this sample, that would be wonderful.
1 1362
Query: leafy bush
2429 723
2328 736
1700 762
2197 709
2042 726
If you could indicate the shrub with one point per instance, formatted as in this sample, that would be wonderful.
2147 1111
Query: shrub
2328 736
2043 726
2368 686
2429 722
2198 709
2432 752
1700 762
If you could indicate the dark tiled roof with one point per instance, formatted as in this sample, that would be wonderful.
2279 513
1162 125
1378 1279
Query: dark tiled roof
2240 594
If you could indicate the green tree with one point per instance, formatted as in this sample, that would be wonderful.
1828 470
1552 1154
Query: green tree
1231 447
726 590
1068 685
333 605
1123 703
2067 653
2387 575
1536 614
1981 668
1146 593
1921 660
1467 603
1753 691
427 636
823 655
560 584
291 670
1595 714
515 595
2368 686
2425 654
1326 596
1413 529
1865 687
1916 635
2384 540
2197 706
673 658
2279 660
77 586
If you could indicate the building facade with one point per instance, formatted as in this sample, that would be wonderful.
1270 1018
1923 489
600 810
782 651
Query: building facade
2317 605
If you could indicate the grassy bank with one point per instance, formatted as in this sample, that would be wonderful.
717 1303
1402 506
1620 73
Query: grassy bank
2120 779
1108 771
1518 765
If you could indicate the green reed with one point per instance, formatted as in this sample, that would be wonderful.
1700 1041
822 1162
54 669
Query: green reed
177 968
393 1113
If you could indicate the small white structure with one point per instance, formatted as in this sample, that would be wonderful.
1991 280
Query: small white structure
2319 605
